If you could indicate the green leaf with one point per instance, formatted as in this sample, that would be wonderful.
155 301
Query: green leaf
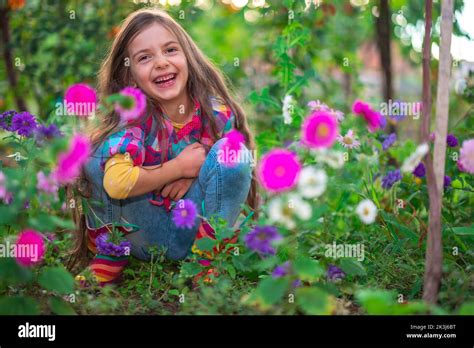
189 269
174 292
12 273
314 301
270 290
205 244
18 305
464 230
376 301
60 307
57 279
231 270
308 269
467 309
352 267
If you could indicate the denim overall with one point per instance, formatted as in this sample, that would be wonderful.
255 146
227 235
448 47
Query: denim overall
220 188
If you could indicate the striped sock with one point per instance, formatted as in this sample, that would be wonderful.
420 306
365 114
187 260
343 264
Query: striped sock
108 269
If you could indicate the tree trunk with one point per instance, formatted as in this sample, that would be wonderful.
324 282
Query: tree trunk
7 57
435 173
383 41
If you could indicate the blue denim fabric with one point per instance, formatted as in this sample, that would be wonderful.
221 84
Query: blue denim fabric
222 188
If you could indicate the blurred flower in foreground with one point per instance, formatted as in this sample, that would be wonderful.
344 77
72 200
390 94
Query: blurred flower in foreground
80 100
6 119
281 270
229 154
447 181
47 132
285 211
70 162
4 194
32 247
334 159
319 130
466 156
412 161
279 170
312 182
47 185
133 106
261 238
367 211
373 118
348 141
185 213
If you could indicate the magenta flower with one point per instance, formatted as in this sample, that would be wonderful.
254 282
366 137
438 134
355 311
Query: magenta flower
80 99
185 213
229 153
466 156
279 170
30 248
373 118
134 106
319 130
70 162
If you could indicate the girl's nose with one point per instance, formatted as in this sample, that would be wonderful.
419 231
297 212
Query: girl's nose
161 62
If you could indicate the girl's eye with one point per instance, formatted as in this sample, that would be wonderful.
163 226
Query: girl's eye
171 50
142 58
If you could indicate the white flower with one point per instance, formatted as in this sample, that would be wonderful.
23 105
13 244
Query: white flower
312 182
367 211
415 158
334 159
284 211
287 109
348 141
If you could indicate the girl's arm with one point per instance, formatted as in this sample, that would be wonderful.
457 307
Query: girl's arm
186 165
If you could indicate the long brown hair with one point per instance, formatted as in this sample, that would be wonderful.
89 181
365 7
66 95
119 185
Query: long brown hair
204 79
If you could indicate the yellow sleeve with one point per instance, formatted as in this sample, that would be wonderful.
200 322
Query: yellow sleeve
120 176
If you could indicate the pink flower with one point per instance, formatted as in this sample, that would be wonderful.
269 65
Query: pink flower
46 184
4 194
373 118
80 99
70 162
466 156
229 154
134 106
319 130
279 170
30 248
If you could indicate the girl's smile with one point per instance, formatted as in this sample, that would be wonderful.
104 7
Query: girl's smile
159 68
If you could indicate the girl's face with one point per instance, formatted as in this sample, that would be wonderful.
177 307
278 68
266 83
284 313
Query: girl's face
158 64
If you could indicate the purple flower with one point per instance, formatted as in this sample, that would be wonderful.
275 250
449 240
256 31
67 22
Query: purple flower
23 123
260 239
420 170
104 247
184 213
391 178
6 119
281 271
335 273
452 140
47 132
388 141
296 283
447 181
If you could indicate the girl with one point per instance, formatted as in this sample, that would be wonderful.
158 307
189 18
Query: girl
139 170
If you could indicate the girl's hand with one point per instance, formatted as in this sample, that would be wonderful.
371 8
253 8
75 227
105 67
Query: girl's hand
191 159
176 189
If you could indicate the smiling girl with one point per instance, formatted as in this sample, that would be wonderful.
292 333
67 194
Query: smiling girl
140 169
